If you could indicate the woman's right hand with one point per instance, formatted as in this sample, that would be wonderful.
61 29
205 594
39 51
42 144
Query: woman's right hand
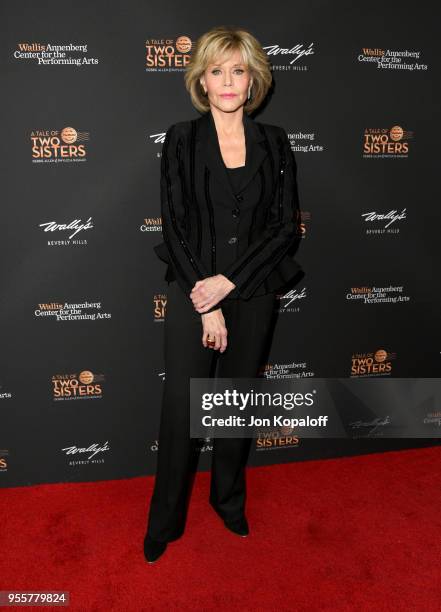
213 324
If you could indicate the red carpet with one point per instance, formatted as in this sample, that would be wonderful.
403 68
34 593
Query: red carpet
357 533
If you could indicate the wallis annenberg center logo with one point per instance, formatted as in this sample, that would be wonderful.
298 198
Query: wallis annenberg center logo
315 408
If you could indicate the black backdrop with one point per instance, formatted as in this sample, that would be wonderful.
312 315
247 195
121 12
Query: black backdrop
83 295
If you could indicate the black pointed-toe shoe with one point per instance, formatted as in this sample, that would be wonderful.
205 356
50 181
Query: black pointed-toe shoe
153 549
239 526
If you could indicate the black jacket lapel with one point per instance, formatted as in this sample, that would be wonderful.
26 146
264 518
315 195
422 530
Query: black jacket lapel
208 144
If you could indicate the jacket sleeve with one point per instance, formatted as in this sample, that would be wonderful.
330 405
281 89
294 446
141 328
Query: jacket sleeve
173 212
282 229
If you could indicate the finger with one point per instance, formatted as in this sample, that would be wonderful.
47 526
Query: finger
197 304
208 337
195 296
205 339
218 342
224 343
204 303
197 288
205 307
199 299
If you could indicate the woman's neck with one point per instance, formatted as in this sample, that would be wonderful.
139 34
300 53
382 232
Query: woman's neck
228 125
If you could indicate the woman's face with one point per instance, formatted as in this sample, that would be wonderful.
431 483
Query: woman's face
227 82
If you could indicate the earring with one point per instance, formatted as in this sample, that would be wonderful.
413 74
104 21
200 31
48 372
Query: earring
249 92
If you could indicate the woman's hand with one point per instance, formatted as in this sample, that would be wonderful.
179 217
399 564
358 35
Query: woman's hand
213 324
208 292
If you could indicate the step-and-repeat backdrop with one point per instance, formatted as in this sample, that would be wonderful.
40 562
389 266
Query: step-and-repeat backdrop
88 92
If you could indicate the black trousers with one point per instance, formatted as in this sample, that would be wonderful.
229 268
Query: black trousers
249 325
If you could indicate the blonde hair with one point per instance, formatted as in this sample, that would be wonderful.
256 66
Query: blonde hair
211 46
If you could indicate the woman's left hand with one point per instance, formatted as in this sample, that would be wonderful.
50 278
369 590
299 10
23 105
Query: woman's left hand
208 292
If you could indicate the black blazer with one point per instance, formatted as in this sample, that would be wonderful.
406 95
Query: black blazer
249 236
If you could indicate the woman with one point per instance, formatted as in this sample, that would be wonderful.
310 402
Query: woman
230 215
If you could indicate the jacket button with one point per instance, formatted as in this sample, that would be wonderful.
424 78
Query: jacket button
235 212
232 240
239 198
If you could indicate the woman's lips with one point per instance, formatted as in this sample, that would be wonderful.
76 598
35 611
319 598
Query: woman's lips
228 95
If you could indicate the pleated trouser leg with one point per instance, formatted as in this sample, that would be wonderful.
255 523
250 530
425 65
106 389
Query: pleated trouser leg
249 329
248 325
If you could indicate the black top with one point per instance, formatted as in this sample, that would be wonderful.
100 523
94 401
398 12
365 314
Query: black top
235 175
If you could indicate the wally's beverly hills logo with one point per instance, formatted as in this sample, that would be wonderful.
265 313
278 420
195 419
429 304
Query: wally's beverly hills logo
86 454
65 145
63 234
387 222
158 138
290 301
167 54
289 58
386 142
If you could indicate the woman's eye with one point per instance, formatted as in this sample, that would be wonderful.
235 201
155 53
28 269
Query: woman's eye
240 70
